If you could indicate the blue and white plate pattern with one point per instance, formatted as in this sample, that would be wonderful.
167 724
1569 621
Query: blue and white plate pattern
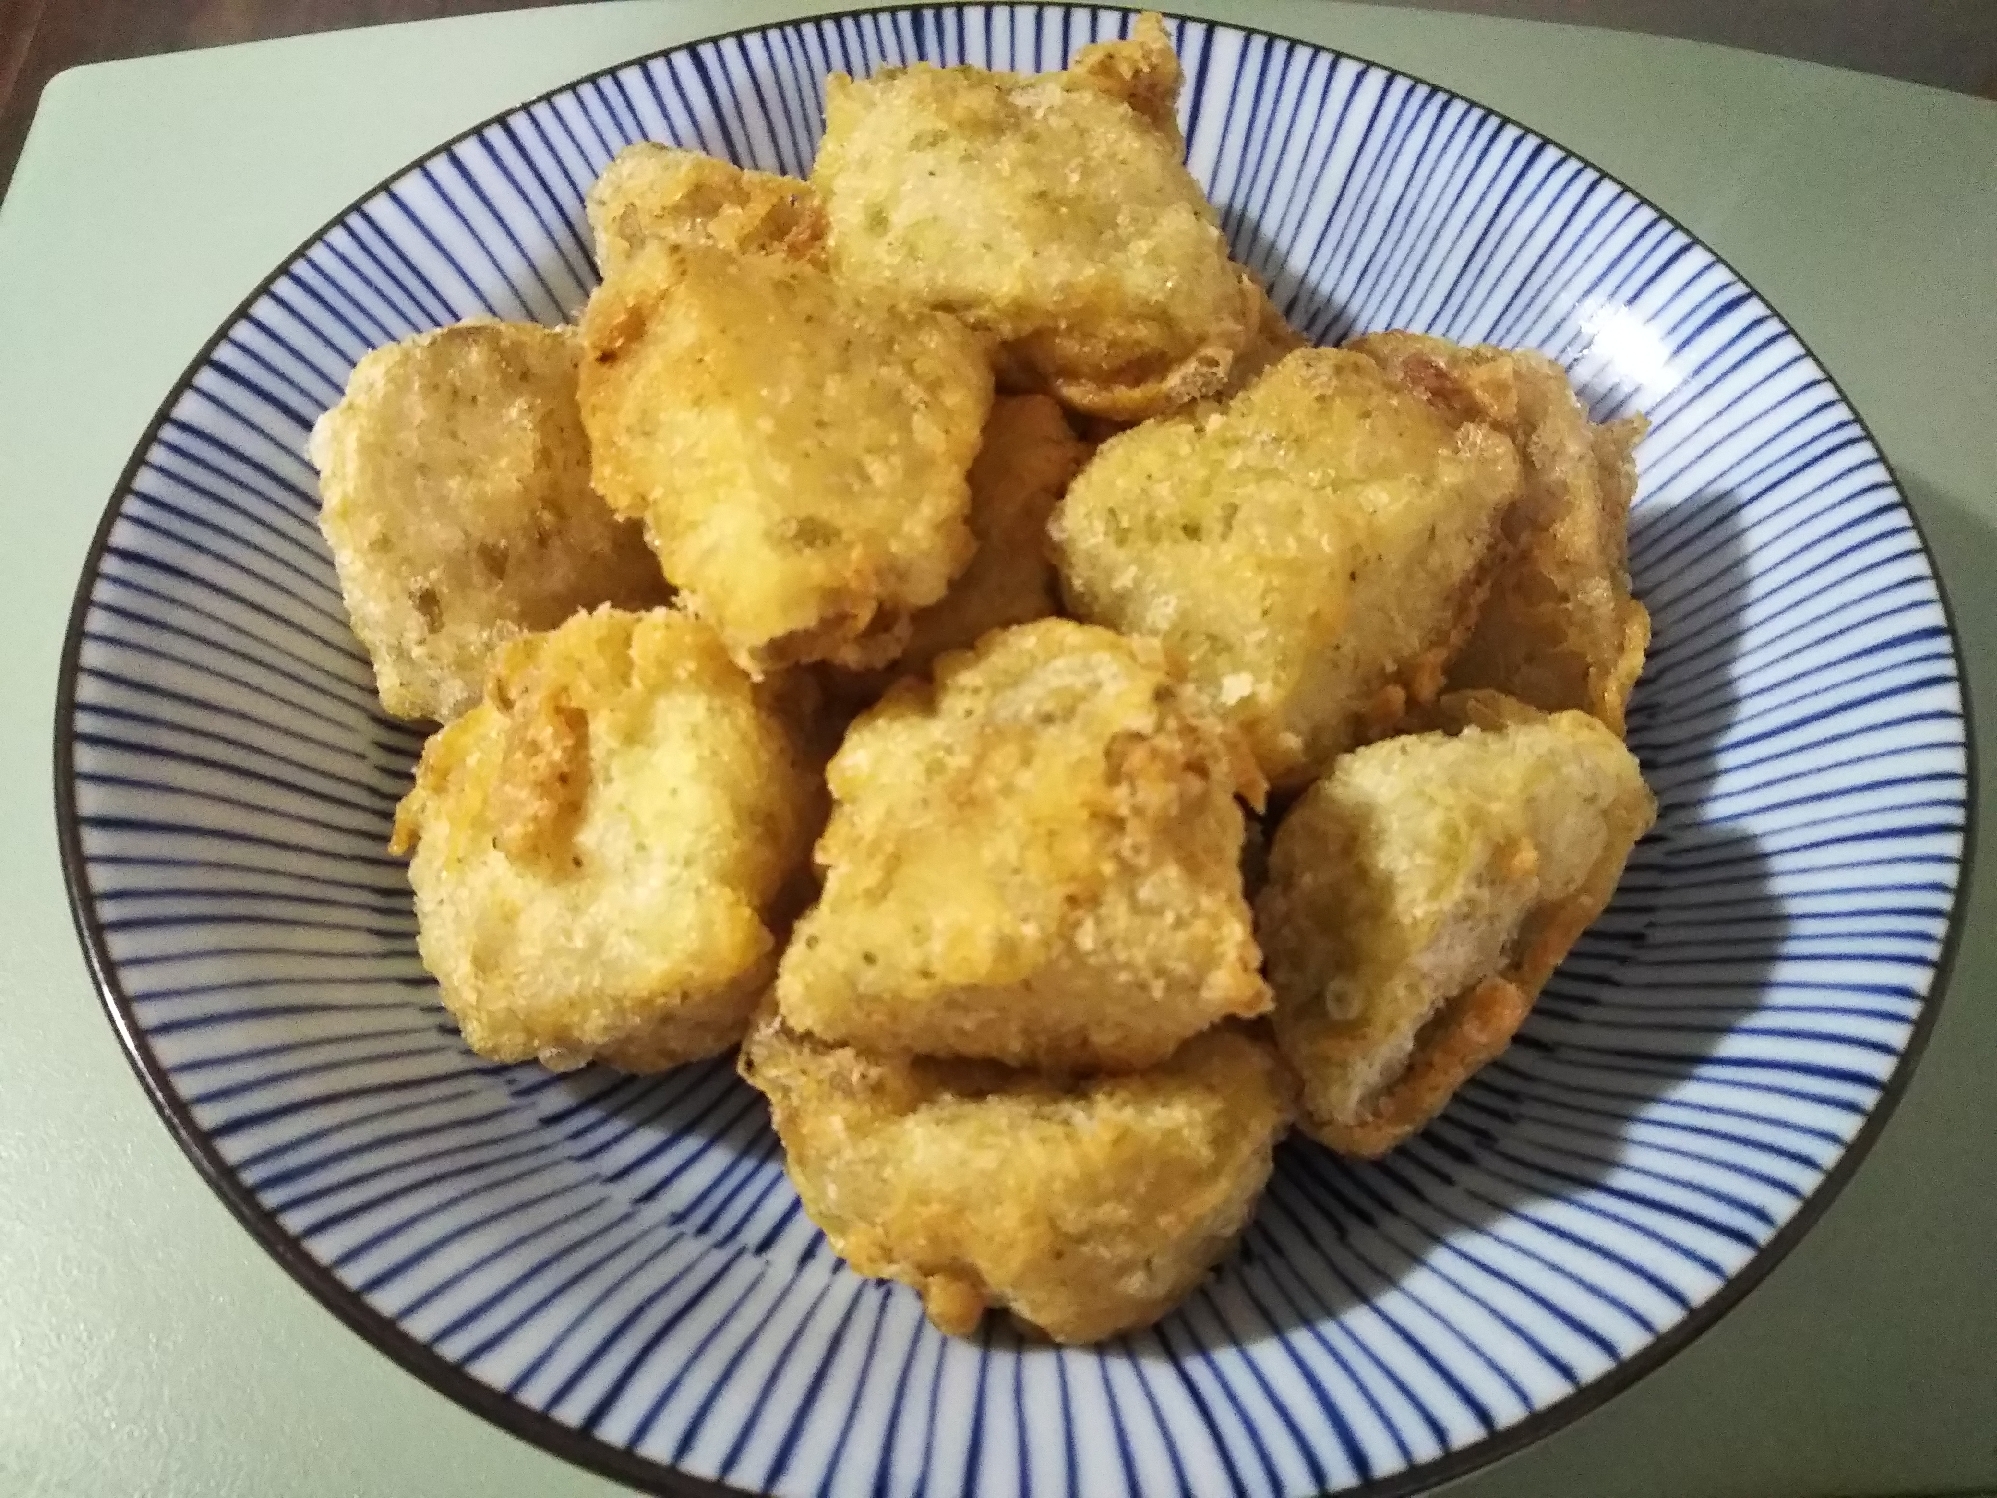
617 1267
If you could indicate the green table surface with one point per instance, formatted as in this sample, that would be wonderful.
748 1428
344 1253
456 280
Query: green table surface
147 1346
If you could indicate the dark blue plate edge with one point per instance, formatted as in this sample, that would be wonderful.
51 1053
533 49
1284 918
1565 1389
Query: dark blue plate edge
626 1466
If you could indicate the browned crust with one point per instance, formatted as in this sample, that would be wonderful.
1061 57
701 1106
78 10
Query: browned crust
1486 393
1143 71
1473 1029
1567 585
690 197
1610 690
543 783
1135 392
1474 707
1403 703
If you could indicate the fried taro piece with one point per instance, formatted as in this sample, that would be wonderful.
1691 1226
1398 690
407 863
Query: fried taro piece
1419 896
657 192
454 477
1086 1207
1560 628
1028 456
796 451
606 847
1315 549
1036 860
1054 212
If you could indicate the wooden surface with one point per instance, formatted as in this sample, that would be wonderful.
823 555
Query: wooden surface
1950 43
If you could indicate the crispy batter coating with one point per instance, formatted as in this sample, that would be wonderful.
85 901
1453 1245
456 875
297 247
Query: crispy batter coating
1315 549
1053 211
658 192
1021 471
1559 629
797 451
1028 457
1421 893
1478 707
454 476
1034 861
1086 1207
1274 338
1140 70
603 845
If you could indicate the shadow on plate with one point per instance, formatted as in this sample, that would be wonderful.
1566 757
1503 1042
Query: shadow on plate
1679 959
683 1144
1302 305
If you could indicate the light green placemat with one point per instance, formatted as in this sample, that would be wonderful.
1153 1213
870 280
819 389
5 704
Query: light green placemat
148 1347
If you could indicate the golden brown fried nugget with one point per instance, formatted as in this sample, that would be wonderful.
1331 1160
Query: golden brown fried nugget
1559 629
1021 471
1421 893
603 845
657 192
797 451
1034 861
1054 212
1086 1207
454 476
1315 549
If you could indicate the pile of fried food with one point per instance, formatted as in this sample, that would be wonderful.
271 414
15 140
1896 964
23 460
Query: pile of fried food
881 635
